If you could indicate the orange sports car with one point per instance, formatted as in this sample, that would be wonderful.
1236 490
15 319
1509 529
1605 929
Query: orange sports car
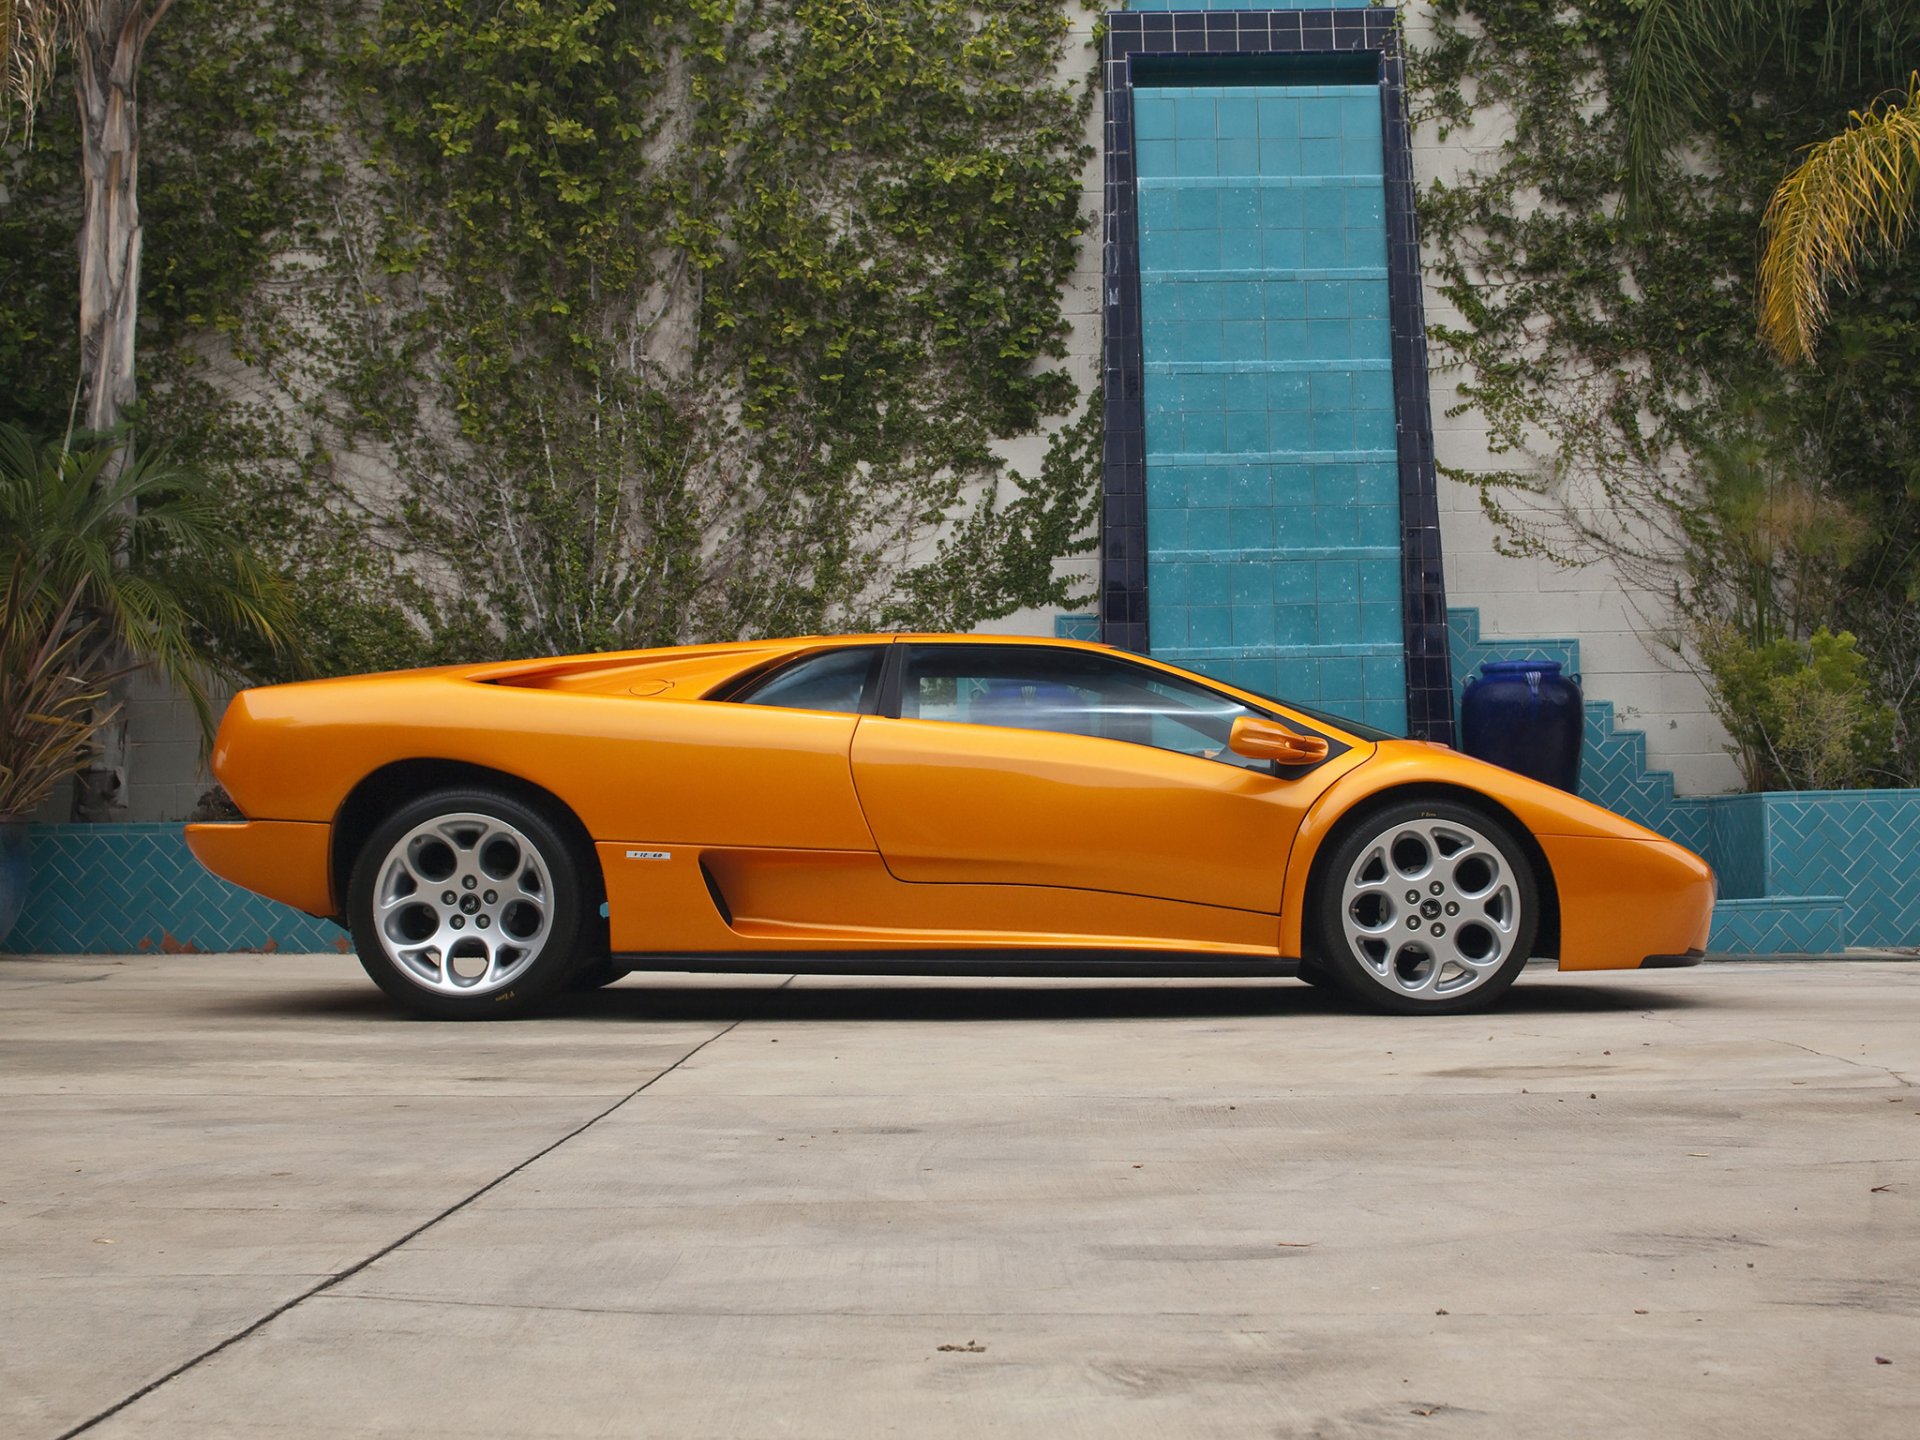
929 804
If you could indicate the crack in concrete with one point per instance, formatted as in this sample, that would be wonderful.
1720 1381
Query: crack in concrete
339 1276
1893 1075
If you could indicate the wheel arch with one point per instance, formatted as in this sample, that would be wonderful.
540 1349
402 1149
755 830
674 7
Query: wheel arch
385 790
1326 839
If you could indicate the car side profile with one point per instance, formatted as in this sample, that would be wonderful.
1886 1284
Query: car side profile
494 834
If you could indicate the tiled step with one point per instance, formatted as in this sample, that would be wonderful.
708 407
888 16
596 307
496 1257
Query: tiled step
1780 925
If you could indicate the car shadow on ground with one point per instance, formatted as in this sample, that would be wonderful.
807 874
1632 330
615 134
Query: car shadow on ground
645 999
635 998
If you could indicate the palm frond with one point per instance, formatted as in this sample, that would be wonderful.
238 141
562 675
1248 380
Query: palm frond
1851 196
51 686
161 567
1680 51
1684 51
32 35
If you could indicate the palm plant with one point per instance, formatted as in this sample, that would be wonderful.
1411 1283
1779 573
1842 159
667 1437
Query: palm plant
147 554
1851 196
51 686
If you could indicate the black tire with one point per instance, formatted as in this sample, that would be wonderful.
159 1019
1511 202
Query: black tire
596 972
1425 907
519 886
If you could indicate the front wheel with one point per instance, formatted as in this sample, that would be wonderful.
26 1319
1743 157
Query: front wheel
467 905
1427 907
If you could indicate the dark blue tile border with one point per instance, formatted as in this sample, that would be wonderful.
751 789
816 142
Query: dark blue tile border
1197 35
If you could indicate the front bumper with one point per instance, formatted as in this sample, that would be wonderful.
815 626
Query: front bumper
1625 899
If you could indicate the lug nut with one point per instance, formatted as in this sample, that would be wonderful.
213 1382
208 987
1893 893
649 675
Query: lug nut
468 883
483 922
1452 908
458 922
491 897
1413 897
1436 888
1413 922
1438 929
449 898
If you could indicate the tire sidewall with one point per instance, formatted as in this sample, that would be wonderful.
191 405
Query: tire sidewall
549 971
1334 956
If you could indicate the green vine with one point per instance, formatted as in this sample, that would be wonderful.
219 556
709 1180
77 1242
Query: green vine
567 325
1612 351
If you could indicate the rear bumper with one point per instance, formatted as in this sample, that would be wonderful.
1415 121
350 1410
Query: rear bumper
284 860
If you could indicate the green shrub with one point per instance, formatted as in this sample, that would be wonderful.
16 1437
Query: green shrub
1801 713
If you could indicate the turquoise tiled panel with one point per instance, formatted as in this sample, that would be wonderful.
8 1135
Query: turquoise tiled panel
104 889
1802 925
1736 842
1273 520
1084 626
1798 873
1863 844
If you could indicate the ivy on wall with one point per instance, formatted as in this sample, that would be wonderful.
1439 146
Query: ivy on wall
566 325
1612 352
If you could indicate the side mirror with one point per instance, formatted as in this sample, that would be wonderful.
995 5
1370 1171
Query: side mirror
1259 739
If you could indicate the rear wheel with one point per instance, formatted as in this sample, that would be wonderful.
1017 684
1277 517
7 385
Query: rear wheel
1427 907
467 905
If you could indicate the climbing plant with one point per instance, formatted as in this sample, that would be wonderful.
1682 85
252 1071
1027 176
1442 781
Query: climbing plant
563 325
1611 350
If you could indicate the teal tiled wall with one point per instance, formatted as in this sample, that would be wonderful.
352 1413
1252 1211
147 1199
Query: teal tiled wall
121 889
1782 925
1273 502
1805 872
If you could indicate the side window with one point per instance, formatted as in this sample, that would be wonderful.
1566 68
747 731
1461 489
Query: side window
1070 692
842 680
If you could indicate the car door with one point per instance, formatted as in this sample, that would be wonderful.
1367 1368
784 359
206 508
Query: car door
1042 765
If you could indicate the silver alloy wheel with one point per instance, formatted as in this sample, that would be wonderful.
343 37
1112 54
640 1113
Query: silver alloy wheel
1431 909
463 904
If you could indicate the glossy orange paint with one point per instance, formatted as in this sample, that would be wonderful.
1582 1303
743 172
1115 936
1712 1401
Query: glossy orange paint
724 828
847 900
285 860
952 803
712 774
1626 899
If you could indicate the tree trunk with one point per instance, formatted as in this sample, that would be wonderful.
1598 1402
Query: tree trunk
106 54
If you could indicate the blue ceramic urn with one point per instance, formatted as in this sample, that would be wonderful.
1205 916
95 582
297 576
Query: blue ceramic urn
1526 716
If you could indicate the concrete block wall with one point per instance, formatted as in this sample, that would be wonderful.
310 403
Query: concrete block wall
1079 63
1623 659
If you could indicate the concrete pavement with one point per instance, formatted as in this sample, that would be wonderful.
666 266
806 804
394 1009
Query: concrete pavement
240 1196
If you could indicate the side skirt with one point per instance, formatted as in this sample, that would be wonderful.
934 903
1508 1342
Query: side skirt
1050 964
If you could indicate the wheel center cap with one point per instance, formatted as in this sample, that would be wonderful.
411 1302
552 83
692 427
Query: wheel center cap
1429 908
469 904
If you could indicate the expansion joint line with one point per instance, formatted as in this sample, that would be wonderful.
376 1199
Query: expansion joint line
454 1209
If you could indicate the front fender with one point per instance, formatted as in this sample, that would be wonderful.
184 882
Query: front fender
1603 865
